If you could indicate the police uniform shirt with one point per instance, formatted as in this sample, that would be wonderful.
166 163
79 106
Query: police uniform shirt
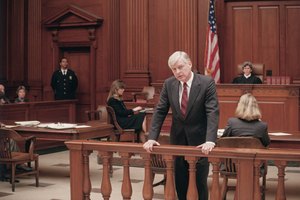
64 84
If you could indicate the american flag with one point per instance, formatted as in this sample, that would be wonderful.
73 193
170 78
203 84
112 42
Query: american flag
212 59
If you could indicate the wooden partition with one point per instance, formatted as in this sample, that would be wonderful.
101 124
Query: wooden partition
45 111
279 104
247 161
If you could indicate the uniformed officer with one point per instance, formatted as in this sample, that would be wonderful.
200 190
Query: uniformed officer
64 82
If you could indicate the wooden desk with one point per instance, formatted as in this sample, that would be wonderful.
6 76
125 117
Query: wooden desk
279 103
286 142
281 142
56 111
47 138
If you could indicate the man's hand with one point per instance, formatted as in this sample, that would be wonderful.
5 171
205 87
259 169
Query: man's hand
206 147
148 146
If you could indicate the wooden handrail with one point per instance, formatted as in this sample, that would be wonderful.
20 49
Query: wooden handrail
248 160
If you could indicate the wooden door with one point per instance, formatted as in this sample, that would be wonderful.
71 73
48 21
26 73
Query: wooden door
79 61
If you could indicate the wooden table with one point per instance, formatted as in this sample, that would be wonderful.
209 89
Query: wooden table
286 142
47 138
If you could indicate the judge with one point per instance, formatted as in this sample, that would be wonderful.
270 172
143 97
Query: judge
248 77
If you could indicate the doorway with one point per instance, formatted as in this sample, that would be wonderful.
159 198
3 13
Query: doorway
79 62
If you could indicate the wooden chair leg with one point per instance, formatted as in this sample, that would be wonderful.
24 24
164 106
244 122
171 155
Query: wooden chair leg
224 188
36 167
12 178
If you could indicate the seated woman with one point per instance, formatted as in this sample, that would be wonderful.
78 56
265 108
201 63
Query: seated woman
247 77
127 118
21 92
3 98
247 121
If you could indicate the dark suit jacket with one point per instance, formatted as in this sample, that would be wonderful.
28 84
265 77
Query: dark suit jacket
202 115
255 128
64 86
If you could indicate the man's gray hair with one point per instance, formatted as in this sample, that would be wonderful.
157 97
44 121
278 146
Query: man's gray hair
178 55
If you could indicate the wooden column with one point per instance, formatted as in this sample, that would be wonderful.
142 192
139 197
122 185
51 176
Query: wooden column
134 43
34 50
15 55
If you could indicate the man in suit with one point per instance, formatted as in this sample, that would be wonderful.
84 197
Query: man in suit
64 82
195 114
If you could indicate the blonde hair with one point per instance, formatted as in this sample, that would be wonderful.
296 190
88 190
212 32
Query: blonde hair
178 55
117 84
247 108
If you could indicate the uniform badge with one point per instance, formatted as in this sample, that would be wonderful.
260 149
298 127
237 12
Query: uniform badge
70 77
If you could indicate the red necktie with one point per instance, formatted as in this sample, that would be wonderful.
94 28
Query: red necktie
184 99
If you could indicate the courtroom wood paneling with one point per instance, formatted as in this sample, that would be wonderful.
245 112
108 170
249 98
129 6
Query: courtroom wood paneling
33 54
160 36
279 103
176 25
16 34
134 43
47 111
3 40
137 37
268 38
292 50
262 32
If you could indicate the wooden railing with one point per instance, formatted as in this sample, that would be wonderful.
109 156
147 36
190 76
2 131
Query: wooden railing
248 165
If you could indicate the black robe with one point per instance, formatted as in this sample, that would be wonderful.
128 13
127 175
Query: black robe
243 80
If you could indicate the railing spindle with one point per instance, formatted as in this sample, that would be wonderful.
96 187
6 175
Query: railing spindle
148 181
86 178
170 183
215 187
192 193
280 195
106 184
126 184
257 193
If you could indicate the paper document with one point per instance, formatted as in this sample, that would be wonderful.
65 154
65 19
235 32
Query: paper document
10 126
279 134
82 126
27 123
61 125
146 109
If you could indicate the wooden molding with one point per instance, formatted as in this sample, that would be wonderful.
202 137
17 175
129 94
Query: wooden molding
72 16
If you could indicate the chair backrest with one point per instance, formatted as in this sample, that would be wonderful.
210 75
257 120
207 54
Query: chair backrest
238 142
103 111
149 90
99 114
258 70
112 119
145 95
5 149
